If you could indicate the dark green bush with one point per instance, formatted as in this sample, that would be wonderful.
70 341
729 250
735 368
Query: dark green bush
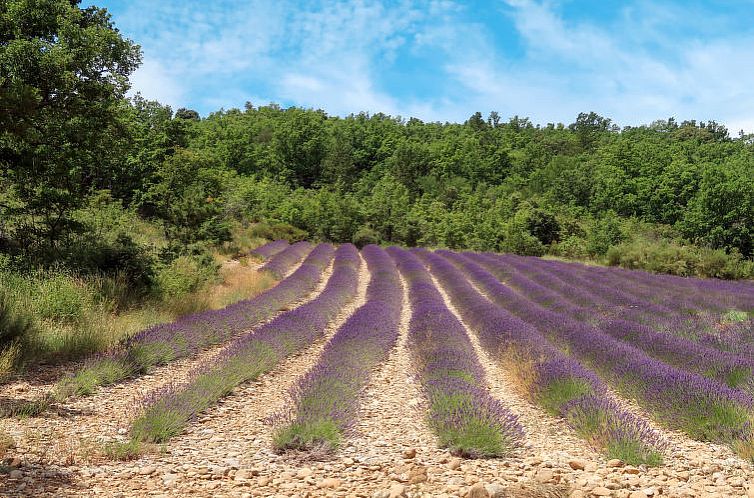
365 236
276 230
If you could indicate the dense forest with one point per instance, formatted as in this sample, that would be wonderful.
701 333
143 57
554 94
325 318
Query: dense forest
96 184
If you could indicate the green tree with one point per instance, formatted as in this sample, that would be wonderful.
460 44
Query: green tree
63 74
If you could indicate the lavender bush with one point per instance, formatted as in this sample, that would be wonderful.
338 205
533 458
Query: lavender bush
464 416
553 380
270 249
325 400
189 334
281 263
166 411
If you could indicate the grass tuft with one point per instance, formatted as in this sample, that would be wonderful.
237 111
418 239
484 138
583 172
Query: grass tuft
559 392
315 435
124 451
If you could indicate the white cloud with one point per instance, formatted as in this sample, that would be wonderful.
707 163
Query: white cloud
155 82
331 54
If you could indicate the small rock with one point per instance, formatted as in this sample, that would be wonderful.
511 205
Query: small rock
577 494
614 463
409 453
348 461
601 491
146 471
577 464
478 491
417 475
16 474
631 470
397 490
242 474
637 494
304 472
264 481
649 491
454 463
544 476
14 463
495 490
329 482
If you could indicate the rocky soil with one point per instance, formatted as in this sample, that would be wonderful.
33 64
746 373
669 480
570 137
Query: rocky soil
391 453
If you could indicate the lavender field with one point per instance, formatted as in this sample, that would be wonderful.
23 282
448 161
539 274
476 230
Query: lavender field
410 372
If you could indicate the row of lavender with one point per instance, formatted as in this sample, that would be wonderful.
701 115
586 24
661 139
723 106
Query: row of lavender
166 411
548 377
704 408
466 419
281 262
325 400
734 369
189 334
723 319
269 249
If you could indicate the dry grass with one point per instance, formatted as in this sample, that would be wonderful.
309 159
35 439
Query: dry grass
240 281
6 443
524 375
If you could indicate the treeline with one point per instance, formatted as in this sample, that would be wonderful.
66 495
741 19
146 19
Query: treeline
82 165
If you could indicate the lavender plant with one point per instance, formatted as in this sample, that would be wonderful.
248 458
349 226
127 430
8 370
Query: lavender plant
281 263
555 381
270 249
163 343
325 400
703 408
466 419
167 410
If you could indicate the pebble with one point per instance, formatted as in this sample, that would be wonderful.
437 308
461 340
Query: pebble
397 490
329 482
577 464
478 490
409 453
601 491
614 463
495 490
145 471
16 474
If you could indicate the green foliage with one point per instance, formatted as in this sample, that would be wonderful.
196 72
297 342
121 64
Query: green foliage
186 194
365 236
678 259
64 74
560 392
323 435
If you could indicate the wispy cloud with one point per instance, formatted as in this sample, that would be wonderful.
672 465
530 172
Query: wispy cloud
443 60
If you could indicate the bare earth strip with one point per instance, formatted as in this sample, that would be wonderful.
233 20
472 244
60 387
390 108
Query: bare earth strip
691 468
73 432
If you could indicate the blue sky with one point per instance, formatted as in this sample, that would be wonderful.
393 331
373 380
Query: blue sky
442 60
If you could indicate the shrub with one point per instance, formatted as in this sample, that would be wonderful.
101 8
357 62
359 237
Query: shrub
365 236
676 259
184 275
15 324
276 230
